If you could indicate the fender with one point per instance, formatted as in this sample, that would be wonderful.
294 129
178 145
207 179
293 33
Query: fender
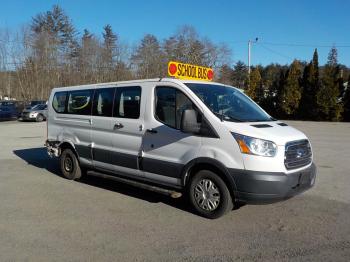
70 143
211 162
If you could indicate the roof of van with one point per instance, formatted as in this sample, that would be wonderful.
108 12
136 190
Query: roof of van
166 79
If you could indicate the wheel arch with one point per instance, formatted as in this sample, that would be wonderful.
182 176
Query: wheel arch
67 144
205 163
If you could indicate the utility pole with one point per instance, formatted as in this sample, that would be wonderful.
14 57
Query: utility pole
250 42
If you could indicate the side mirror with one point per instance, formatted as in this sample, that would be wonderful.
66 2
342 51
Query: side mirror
189 122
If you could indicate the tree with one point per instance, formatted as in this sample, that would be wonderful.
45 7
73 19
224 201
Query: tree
273 78
327 97
89 61
240 75
346 102
109 45
149 58
225 75
310 87
187 47
56 27
109 53
254 84
291 92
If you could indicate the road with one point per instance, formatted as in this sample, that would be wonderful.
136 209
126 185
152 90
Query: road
44 217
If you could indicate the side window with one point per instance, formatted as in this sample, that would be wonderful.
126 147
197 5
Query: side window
182 103
165 105
59 102
127 102
103 102
79 102
170 105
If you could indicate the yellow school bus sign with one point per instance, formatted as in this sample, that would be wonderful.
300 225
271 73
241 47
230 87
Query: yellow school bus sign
188 71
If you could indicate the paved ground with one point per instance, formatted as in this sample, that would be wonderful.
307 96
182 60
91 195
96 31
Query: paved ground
44 217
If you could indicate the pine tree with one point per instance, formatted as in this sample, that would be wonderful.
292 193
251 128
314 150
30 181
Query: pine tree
254 84
56 28
291 92
272 101
308 108
327 97
239 75
340 83
346 102
109 44
86 35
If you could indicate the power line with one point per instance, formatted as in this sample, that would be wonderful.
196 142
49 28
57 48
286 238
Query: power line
275 52
306 45
343 45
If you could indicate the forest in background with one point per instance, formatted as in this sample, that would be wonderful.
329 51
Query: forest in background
50 52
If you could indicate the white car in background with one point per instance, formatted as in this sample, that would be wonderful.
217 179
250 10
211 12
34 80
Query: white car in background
36 113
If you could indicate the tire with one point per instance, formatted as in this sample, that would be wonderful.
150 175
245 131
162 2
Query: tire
39 118
69 164
221 200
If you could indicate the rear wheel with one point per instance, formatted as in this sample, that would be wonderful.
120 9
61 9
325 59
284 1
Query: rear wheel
209 195
69 163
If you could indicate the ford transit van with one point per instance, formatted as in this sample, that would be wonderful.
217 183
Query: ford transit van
205 140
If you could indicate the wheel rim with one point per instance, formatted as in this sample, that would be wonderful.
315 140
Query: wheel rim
68 164
207 195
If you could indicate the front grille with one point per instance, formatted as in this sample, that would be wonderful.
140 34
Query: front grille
297 154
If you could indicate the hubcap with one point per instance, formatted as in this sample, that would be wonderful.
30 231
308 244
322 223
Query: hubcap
68 164
207 195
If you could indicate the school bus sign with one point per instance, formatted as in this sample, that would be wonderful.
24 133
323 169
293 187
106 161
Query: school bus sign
188 71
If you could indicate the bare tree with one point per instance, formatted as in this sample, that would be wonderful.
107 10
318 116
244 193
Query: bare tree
149 58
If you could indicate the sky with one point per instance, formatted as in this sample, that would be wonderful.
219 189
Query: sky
285 29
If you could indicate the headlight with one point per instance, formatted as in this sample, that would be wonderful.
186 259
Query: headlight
34 114
255 146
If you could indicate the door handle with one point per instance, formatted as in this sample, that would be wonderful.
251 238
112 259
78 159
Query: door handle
118 126
152 131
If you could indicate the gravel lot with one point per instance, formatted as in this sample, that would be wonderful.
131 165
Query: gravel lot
44 217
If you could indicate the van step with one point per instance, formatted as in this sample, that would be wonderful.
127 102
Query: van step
160 190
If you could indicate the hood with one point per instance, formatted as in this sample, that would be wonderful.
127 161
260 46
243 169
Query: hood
275 131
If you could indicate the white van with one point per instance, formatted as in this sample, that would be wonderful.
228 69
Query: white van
205 139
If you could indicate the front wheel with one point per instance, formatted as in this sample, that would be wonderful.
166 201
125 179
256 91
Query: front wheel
70 165
209 195
39 118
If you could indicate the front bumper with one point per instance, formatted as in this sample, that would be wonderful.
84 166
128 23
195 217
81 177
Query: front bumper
28 117
255 187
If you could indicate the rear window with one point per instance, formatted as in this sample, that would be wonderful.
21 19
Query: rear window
103 102
79 102
127 102
59 102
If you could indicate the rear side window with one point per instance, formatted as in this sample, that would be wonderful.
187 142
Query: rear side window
170 105
103 102
79 102
59 102
127 102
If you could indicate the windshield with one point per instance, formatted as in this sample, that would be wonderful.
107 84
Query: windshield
39 107
228 103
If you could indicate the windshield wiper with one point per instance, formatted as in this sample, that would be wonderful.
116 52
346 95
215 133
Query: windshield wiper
261 120
226 117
